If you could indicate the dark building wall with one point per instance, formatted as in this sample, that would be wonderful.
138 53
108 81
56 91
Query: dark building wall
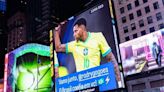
3 41
33 18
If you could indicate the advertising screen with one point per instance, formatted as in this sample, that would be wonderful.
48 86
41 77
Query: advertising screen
35 71
28 68
143 53
87 63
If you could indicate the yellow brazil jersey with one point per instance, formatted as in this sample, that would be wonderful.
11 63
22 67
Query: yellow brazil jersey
87 54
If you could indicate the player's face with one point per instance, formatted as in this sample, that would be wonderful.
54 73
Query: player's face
77 32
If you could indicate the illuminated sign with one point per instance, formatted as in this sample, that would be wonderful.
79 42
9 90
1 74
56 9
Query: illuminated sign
101 77
143 53
29 64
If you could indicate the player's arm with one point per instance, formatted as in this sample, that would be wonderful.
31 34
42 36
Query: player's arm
58 46
56 65
110 57
56 72
107 52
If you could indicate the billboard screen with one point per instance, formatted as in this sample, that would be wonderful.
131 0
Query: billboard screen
35 71
99 21
28 68
143 53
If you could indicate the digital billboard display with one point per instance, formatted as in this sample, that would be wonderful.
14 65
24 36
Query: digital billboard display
2 5
90 56
143 53
28 68
35 71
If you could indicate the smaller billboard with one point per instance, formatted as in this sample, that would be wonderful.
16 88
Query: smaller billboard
28 69
143 53
2 5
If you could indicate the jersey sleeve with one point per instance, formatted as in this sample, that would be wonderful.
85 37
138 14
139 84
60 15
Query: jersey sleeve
70 47
103 45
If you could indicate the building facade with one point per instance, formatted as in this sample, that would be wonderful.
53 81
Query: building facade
39 20
44 22
138 17
16 31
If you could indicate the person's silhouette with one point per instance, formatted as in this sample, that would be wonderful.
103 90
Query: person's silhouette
157 53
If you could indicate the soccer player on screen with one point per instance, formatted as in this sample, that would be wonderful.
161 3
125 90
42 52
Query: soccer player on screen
86 48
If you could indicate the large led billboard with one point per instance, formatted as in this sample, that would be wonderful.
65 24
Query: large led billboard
28 68
143 53
99 20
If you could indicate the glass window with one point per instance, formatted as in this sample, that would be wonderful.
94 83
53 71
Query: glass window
123 19
141 23
122 10
131 16
144 1
161 25
139 13
127 38
120 2
129 6
156 5
135 35
152 29
136 3
125 29
147 9
159 16
133 26
149 19
143 32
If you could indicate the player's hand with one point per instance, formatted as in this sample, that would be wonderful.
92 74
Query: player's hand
59 27
62 23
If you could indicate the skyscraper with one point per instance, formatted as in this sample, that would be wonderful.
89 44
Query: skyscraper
39 20
41 15
36 14
16 31
44 20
